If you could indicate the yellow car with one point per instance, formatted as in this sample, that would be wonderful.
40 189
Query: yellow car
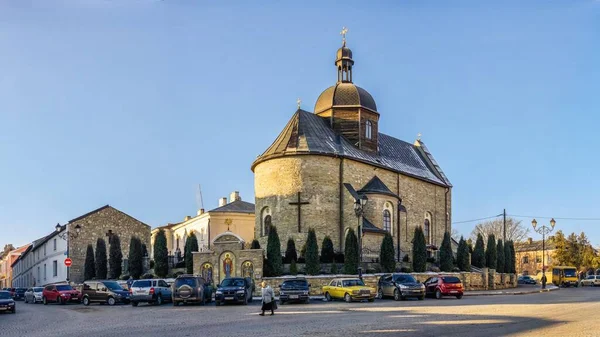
349 289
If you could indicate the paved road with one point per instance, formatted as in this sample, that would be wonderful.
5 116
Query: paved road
566 312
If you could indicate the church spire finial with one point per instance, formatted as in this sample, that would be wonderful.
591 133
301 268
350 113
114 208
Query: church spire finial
298 101
343 34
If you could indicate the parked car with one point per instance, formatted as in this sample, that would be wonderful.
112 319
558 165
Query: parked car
234 290
109 292
60 293
294 290
19 294
526 279
6 302
349 289
591 280
440 286
191 289
149 291
11 291
34 295
400 287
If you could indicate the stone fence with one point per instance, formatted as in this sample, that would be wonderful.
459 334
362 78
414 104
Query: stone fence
488 279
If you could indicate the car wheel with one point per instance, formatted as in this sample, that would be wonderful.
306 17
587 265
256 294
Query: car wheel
134 303
438 294
421 297
111 301
379 293
397 295
245 300
14 311
60 301
327 297
459 296
159 300
281 302
175 303
44 300
347 298
86 301
217 303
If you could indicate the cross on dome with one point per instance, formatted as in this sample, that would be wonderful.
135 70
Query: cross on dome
343 34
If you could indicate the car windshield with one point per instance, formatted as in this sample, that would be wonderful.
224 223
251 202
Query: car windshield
570 272
294 283
190 281
141 284
352 283
38 290
451 279
112 285
4 296
404 279
64 287
232 282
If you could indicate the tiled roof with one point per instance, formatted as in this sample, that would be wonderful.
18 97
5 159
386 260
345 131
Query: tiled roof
525 246
369 227
307 133
376 186
237 206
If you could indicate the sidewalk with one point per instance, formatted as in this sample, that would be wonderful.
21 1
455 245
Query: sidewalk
513 291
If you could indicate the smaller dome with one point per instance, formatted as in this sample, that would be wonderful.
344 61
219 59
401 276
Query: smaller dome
344 53
345 94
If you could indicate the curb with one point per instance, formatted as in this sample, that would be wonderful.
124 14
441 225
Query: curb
524 292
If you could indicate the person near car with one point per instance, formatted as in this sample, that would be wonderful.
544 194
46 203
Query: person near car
129 282
268 299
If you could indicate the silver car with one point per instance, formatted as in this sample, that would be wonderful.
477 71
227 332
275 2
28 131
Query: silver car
34 295
149 291
591 280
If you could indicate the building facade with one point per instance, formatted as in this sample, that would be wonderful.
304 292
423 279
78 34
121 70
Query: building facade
323 163
7 259
528 256
235 216
43 262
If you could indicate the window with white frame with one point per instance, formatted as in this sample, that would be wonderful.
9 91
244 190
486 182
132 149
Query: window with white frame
54 244
54 268
368 130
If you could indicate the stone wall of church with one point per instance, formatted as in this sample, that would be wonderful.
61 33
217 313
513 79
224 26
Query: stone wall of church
278 180
95 226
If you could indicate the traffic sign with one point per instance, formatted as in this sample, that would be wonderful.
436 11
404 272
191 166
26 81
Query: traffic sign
68 262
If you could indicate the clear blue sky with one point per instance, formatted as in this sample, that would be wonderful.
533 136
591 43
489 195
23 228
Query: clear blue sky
134 103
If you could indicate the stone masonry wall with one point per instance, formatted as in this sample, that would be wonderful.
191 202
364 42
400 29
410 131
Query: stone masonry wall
95 226
278 180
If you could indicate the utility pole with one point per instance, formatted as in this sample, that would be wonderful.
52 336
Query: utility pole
504 225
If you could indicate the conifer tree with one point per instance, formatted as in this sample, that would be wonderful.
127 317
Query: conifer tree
293 268
311 258
135 258
89 269
446 256
191 245
255 244
419 259
351 254
500 264
387 261
334 268
491 255
513 259
161 254
115 257
290 251
327 252
274 260
478 259
462 255
101 260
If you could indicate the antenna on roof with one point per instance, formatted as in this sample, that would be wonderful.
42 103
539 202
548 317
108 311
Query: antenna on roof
199 201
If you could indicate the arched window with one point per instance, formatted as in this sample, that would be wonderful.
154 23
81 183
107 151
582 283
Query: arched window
266 221
368 129
387 221
427 230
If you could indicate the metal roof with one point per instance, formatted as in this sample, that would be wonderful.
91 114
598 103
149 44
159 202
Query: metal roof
368 226
376 186
307 133
237 206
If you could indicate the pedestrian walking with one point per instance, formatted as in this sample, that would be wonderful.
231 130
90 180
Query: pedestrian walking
268 299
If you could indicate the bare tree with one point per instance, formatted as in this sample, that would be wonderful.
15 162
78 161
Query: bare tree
515 231
455 234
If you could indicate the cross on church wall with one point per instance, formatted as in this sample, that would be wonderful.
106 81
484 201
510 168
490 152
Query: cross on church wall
299 203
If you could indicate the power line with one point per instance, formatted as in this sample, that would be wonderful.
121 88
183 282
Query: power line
486 218
555 218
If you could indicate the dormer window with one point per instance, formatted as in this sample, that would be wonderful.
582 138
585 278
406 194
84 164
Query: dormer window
368 129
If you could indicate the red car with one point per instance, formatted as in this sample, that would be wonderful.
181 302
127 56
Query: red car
440 286
60 293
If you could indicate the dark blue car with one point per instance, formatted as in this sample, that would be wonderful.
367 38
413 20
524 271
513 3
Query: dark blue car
234 290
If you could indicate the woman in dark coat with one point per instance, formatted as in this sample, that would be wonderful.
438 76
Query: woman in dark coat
268 299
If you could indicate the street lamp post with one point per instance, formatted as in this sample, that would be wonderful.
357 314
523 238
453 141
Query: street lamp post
359 205
67 235
544 230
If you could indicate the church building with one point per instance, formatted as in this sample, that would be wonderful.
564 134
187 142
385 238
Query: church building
332 170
